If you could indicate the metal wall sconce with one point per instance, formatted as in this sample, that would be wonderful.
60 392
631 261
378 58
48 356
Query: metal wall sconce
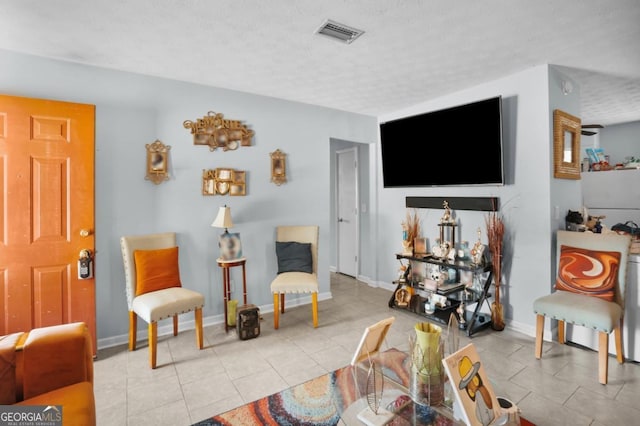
223 181
157 162
217 132
278 167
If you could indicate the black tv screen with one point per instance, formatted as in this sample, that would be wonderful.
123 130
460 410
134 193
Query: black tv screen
454 146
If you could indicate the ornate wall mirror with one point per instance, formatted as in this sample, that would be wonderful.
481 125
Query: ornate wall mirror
566 145
157 162
218 132
223 181
278 167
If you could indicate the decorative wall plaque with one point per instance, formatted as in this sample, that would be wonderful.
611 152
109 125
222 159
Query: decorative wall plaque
278 167
223 181
218 132
157 162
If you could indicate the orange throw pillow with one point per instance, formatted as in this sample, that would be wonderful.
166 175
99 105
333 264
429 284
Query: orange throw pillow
156 269
593 273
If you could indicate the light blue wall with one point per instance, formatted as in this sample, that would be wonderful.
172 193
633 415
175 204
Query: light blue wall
566 194
134 110
620 141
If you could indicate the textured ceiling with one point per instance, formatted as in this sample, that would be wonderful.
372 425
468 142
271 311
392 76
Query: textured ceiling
412 51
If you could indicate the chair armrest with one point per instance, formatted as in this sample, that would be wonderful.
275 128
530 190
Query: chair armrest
54 357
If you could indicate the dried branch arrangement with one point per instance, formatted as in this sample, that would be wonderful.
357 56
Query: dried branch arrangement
413 225
495 237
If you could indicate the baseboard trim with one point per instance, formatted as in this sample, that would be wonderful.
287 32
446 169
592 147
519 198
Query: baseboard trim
187 322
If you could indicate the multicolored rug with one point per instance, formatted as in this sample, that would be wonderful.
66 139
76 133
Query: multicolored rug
320 401
317 402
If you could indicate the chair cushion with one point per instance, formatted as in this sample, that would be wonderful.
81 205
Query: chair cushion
579 309
8 368
588 272
166 303
294 257
77 400
156 269
295 282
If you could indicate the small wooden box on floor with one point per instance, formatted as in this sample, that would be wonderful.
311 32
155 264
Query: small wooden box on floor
248 322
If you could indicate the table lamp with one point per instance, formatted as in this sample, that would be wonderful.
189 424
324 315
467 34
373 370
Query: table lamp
223 219
229 243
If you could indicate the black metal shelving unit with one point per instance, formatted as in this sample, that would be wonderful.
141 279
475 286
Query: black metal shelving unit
473 321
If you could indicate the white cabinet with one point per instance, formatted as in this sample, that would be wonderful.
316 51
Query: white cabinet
614 194
631 328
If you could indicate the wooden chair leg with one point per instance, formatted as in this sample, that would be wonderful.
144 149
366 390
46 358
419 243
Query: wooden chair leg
539 335
603 356
619 347
276 312
561 329
198 314
282 303
314 308
133 329
153 343
175 325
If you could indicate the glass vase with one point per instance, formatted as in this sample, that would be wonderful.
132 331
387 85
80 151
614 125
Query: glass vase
427 376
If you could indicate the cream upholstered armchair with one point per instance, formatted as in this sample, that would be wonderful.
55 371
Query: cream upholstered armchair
590 289
154 289
297 252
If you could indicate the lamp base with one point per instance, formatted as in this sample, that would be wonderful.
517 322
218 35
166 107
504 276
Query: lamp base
230 246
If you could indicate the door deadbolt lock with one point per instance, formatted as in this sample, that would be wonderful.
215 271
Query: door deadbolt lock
85 265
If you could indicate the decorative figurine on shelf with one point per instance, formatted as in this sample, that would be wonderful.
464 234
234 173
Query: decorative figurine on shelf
447 217
478 250
460 312
404 272
438 275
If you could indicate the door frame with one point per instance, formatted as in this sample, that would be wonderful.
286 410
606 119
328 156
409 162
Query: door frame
355 151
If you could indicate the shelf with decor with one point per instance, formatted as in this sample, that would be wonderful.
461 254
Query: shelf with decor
414 296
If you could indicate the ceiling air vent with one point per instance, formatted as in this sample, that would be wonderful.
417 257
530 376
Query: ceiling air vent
339 31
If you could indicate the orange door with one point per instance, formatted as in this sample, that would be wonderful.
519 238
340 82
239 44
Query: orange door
46 213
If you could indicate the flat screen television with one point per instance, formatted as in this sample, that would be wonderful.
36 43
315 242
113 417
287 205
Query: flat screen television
454 146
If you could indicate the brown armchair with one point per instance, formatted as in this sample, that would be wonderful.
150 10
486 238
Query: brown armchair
50 366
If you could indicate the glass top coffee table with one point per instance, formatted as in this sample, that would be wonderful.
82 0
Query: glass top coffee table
354 405
337 398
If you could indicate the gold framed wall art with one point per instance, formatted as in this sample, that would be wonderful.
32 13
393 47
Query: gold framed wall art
218 132
224 181
566 145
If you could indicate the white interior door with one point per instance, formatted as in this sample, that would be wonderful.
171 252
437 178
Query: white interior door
347 211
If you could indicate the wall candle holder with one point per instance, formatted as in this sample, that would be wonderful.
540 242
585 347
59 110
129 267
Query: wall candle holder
157 162
278 167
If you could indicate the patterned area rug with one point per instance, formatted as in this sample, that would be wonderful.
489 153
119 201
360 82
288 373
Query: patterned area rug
317 402
320 401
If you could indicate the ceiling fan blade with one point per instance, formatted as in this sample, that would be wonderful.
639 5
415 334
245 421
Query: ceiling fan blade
592 126
588 133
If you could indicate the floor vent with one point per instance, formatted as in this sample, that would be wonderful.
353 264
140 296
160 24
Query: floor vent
338 31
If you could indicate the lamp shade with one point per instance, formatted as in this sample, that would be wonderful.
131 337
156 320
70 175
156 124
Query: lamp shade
223 219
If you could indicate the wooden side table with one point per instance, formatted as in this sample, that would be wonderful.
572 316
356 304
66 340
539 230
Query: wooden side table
226 265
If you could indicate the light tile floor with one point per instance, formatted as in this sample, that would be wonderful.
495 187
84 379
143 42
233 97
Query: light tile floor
190 385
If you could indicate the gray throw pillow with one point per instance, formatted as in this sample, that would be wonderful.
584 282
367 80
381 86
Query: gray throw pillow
294 257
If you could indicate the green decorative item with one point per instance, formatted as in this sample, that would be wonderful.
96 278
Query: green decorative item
231 312
427 375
